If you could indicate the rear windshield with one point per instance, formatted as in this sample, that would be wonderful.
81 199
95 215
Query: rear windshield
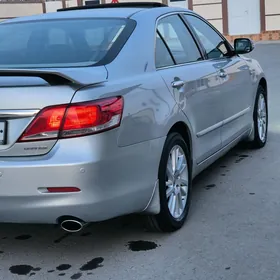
58 43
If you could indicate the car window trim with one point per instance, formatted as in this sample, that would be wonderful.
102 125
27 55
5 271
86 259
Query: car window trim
224 40
194 38
118 45
168 49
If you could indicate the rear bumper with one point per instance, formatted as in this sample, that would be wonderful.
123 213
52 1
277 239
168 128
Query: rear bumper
113 181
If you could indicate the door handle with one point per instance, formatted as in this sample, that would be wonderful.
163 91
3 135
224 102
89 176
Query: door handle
223 74
177 84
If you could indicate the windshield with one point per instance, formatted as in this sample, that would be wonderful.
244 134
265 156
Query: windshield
57 43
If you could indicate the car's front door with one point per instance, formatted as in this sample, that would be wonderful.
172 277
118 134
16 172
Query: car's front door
193 82
235 78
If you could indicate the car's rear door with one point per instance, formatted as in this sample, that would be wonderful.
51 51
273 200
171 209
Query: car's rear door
235 78
193 82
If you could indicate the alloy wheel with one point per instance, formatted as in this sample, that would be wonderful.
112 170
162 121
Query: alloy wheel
262 118
177 182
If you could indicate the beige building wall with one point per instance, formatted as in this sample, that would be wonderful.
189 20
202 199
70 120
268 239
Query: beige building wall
10 10
71 3
211 10
53 6
123 1
199 2
272 15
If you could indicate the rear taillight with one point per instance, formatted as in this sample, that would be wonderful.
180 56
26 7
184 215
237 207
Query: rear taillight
74 120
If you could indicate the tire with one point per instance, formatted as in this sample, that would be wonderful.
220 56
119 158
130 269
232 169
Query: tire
165 221
260 138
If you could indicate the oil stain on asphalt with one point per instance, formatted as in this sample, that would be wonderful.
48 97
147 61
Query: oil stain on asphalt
62 238
76 276
140 245
241 157
36 269
23 237
30 270
86 234
21 269
211 186
93 264
63 267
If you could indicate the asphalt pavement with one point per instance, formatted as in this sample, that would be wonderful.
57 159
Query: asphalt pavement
233 230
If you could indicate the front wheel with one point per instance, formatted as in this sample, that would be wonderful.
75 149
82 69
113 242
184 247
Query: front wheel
260 118
175 183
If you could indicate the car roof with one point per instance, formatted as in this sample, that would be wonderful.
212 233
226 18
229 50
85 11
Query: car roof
120 11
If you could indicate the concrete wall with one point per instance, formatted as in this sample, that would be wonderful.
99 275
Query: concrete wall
211 10
123 1
10 10
71 3
272 15
53 6
178 4
244 17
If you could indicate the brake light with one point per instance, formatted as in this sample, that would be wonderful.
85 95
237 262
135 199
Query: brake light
74 120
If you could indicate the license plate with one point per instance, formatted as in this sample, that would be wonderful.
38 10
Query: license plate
3 127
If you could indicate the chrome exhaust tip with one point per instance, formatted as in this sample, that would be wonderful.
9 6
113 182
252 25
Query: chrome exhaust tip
72 225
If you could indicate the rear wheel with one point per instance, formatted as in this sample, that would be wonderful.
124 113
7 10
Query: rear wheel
260 119
174 185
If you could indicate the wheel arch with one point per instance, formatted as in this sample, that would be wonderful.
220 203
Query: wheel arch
263 83
182 128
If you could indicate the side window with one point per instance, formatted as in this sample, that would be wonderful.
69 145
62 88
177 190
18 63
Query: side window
163 57
212 42
178 39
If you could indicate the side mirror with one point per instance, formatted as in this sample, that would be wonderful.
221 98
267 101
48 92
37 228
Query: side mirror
243 45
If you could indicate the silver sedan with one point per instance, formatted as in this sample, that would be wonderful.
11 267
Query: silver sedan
113 109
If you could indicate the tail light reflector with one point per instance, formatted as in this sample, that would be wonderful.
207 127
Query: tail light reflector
62 189
75 120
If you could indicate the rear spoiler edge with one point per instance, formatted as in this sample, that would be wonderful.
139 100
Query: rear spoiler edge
67 76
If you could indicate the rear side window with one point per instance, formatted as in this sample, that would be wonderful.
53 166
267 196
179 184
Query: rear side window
163 57
178 39
58 43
